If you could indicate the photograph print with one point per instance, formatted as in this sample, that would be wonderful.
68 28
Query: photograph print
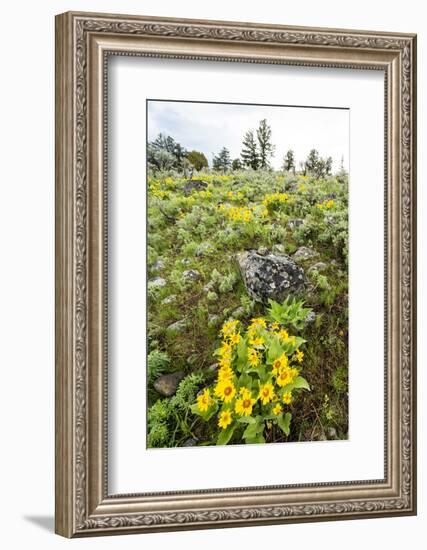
247 273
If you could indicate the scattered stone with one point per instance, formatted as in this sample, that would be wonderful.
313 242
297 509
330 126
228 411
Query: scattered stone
158 264
176 328
190 442
186 261
167 384
272 276
332 433
331 220
310 318
213 368
169 300
278 249
292 224
191 275
158 282
319 267
194 185
304 253
262 251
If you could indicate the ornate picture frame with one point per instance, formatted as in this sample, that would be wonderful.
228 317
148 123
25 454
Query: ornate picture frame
84 42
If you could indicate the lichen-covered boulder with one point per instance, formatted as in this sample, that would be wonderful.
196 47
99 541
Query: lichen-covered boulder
194 185
270 276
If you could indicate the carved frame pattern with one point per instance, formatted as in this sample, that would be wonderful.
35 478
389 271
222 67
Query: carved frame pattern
84 508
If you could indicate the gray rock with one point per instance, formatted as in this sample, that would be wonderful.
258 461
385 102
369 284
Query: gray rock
319 267
176 328
292 224
159 264
213 368
191 275
304 253
186 261
190 442
332 433
272 276
194 185
167 384
310 318
169 300
262 251
278 249
158 282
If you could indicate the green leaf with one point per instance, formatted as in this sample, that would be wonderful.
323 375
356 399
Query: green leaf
206 415
274 351
225 435
253 430
246 420
301 382
284 422
258 439
245 380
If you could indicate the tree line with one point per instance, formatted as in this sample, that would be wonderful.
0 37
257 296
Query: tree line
164 153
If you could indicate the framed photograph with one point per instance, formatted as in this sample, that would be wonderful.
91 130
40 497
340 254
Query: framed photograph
235 274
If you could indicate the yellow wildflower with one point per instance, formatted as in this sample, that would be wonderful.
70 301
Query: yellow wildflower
234 338
274 326
299 356
253 357
204 400
277 409
283 334
258 323
229 327
245 392
225 390
287 397
266 393
224 419
225 373
244 406
279 364
256 341
286 376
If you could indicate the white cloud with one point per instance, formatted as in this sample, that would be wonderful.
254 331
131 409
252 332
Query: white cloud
208 127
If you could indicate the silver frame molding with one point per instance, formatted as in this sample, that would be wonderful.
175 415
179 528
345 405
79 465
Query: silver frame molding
83 43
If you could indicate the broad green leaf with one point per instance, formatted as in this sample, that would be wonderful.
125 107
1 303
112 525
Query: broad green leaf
225 435
246 420
253 430
284 421
275 350
301 382
258 439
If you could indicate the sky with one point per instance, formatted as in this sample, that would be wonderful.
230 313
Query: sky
207 127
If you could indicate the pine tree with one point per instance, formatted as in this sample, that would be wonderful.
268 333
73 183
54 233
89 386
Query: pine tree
312 161
249 154
266 148
289 161
236 164
222 162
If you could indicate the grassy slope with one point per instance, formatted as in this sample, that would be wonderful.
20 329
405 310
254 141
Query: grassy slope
196 232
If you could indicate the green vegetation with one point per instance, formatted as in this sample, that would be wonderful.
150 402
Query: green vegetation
195 287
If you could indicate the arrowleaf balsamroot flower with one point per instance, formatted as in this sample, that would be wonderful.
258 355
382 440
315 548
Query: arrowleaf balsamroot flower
224 419
204 400
225 390
266 393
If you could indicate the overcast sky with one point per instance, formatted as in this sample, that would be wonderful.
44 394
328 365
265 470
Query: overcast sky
208 127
